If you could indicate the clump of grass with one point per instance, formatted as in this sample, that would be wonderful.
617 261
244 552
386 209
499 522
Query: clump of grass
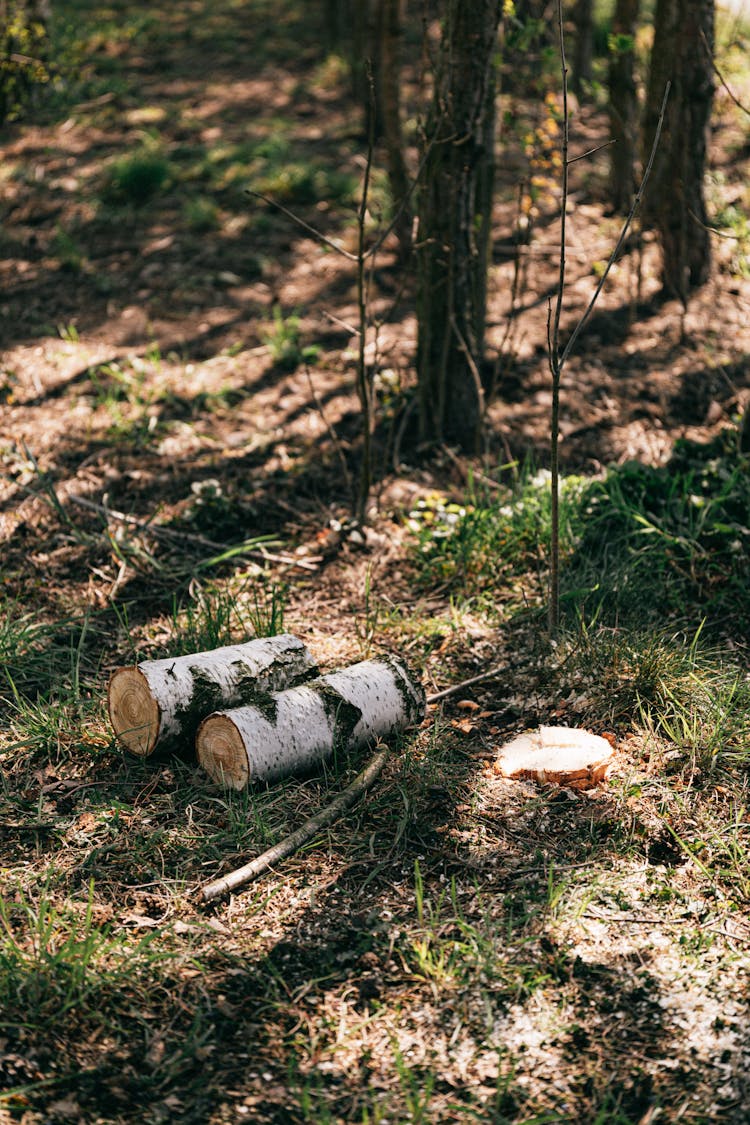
215 615
136 178
680 689
303 183
284 343
55 958
201 215
639 544
67 251
478 545
670 540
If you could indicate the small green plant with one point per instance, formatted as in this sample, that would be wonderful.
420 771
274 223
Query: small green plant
68 333
265 615
201 215
23 61
283 342
417 1088
67 251
135 179
478 544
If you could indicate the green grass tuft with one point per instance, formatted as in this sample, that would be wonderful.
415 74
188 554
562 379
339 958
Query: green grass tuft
135 179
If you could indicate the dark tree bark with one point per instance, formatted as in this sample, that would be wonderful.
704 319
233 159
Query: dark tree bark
375 58
454 225
388 100
623 105
583 51
676 204
336 21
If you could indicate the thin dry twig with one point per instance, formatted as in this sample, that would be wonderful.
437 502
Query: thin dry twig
243 875
169 533
623 233
719 75
591 151
464 684
331 431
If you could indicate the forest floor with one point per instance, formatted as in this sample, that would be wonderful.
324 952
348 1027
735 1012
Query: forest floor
177 396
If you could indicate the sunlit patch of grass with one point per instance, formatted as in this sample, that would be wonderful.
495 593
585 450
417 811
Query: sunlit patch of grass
283 339
640 544
201 215
485 541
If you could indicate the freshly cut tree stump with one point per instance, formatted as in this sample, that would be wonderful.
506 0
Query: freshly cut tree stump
564 755
294 729
161 702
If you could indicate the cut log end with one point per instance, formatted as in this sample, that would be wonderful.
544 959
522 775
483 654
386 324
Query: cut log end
133 711
221 752
561 755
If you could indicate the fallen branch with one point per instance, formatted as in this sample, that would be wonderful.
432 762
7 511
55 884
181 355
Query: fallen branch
464 684
292 844
160 532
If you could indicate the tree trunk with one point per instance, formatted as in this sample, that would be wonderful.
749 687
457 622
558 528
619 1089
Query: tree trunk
388 100
336 19
454 226
677 206
623 105
298 728
583 49
163 701
365 64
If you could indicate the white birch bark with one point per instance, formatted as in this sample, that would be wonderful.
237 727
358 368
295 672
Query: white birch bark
161 702
295 729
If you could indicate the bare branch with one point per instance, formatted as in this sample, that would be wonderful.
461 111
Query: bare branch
719 75
301 223
591 151
623 233
243 875
169 533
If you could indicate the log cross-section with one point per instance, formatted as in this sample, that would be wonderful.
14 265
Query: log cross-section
161 702
295 729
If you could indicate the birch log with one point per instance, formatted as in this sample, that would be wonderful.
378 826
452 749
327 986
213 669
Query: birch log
161 702
294 729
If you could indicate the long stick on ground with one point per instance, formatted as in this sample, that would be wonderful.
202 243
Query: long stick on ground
243 875
291 844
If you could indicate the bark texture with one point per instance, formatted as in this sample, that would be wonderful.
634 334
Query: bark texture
623 105
388 99
676 204
295 729
161 702
454 226
583 48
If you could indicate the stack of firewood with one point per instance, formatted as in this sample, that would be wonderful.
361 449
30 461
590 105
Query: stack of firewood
258 710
